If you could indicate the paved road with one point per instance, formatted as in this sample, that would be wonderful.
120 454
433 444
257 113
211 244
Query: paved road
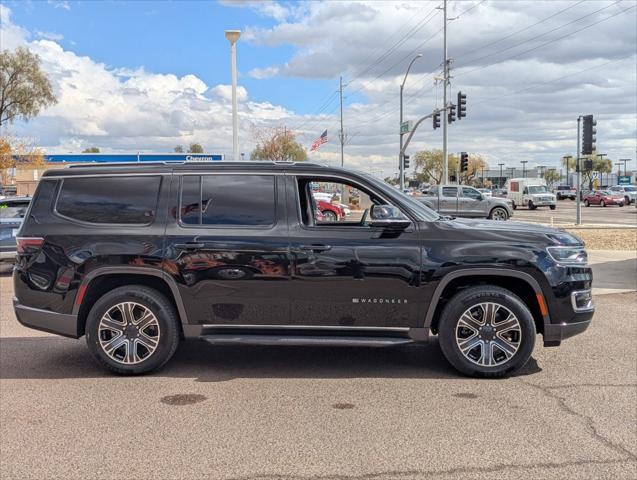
565 213
319 413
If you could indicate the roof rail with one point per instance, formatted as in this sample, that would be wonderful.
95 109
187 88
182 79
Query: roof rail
128 164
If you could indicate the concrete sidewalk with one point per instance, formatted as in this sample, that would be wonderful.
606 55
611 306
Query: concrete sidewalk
614 271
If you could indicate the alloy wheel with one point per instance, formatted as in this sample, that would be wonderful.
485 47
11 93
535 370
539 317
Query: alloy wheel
330 216
499 214
488 334
129 333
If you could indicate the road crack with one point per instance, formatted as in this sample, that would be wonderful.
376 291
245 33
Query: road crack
588 421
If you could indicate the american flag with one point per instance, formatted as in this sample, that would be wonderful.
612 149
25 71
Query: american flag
319 141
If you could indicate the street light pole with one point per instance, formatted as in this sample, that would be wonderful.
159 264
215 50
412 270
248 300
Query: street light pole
445 122
524 162
500 181
578 203
401 167
625 160
567 159
233 36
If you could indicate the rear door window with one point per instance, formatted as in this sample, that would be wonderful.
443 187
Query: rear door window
109 200
227 200
449 192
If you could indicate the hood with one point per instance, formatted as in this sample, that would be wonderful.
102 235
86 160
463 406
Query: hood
527 231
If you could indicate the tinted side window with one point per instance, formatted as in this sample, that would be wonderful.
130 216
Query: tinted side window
228 200
127 200
449 191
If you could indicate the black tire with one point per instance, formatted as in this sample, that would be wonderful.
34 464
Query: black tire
531 205
472 297
167 321
552 207
499 213
627 200
330 216
621 204
602 203
573 198
514 206
587 203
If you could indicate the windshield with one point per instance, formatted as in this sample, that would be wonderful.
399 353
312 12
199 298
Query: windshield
630 189
422 212
13 209
537 189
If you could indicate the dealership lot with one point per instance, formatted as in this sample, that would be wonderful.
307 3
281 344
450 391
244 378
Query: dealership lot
299 412
565 214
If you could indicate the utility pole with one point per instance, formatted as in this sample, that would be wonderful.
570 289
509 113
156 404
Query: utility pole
342 136
625 160
578 213
500 181
445 81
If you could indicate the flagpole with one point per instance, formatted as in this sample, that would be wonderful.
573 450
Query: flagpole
342 138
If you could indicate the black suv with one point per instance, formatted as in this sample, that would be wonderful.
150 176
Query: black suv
136 257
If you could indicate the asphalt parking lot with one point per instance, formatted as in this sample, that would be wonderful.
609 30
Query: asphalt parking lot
565 214
293 412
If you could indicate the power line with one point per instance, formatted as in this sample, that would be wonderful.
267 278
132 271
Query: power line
473 60
519 31
545 43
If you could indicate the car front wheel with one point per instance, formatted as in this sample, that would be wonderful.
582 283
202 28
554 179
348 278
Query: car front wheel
499 213
132 330
329 216
587 203
486 331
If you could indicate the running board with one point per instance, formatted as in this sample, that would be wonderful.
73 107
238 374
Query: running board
323 340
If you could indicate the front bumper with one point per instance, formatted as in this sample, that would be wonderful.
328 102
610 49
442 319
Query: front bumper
47 321
555 333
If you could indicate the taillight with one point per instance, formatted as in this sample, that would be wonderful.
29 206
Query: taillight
29 244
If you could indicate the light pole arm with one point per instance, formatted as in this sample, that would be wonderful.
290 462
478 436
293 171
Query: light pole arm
413 130
409 68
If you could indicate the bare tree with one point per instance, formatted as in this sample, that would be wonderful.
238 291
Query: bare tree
24 88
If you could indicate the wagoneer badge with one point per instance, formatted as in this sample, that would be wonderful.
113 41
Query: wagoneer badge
379 300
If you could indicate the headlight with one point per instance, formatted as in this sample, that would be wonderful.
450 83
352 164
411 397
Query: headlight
568 255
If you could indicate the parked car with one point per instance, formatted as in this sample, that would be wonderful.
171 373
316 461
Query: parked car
603 198
136 257
465 201
499 192
628 191
328 198
12 212
329 212
565 191
486 192
530 193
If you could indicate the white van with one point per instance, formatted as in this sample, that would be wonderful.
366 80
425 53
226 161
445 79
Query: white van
529 192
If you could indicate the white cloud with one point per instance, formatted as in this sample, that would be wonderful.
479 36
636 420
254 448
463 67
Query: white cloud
262 73
11 35
132 109
63 4
56 37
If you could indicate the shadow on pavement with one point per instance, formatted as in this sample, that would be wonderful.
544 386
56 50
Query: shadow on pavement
615 274
57 358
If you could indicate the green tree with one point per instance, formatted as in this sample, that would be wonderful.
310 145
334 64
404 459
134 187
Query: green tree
24 88
551 176
91 150
278 144
391 180
430 164
195 148
179 149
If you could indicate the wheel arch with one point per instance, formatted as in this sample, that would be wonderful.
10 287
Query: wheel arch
102 280
502 207
520 283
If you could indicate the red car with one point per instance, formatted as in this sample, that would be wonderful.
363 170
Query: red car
327 212
603 198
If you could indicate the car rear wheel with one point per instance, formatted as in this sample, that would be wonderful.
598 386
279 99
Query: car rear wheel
602 203
329 216
587 203
499 213
132 330
513 205
486 331
531 205
552 207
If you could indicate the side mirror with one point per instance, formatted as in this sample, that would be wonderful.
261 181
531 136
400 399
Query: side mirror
388 216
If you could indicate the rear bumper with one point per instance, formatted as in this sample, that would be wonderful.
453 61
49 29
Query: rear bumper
47 321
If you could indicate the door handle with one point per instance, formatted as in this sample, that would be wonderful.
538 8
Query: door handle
316 248
189 245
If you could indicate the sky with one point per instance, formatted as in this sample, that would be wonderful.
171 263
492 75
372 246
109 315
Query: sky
149 75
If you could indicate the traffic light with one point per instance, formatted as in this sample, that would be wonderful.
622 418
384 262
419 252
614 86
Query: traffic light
451 116
588 135
588 165
462 105
464 161
405 162
436 119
